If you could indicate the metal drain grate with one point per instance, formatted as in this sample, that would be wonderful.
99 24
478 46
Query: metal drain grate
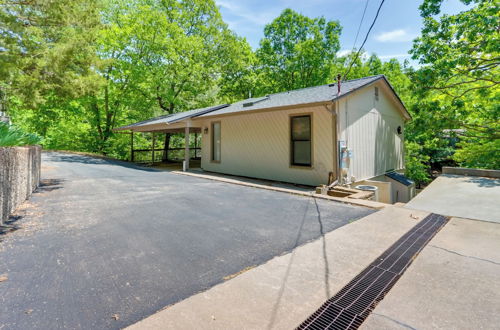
354 302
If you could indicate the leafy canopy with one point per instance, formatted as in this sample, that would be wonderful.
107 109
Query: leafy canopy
459 78
297 51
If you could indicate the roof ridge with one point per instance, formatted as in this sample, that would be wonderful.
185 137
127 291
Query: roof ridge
329 84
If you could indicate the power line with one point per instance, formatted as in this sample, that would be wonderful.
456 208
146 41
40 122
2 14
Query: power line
364 41
359 27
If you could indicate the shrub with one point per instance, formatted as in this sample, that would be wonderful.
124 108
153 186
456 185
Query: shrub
11 136
417 167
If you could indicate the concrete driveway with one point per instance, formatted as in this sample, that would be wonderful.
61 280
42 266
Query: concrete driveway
470 197
104 244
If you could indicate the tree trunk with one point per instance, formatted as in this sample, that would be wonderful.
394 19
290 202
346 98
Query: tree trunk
166 147
169 110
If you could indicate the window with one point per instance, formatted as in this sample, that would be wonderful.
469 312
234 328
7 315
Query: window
216 142
376 93
301 140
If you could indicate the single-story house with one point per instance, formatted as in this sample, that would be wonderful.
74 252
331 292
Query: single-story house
350 131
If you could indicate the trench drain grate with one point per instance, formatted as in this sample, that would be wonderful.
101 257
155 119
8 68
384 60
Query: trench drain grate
354 302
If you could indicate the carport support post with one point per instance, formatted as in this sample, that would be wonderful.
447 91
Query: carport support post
186 147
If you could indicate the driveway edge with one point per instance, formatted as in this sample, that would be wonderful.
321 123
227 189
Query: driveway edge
357 202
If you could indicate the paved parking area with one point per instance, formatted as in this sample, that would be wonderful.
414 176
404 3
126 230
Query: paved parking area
470 197
105 244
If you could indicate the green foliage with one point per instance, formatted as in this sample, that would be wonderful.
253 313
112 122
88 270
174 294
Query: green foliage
478 153
11 136
74 70
47 48
460 57
416 163
297 51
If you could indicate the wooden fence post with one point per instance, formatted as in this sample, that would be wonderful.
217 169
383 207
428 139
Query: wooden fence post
153 149
132 146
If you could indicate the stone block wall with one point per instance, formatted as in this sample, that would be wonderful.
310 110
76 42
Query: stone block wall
19 176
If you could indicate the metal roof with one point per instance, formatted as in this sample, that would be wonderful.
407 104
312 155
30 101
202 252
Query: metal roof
317 94
399 178
173 118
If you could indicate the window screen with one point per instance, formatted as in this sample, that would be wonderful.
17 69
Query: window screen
216 151
301 140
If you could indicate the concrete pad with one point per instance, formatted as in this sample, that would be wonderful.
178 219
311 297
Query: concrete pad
452 284
283 292
461 196
285 188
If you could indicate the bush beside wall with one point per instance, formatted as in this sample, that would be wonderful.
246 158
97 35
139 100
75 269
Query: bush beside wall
19 176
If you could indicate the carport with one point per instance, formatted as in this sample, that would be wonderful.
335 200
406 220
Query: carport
169 124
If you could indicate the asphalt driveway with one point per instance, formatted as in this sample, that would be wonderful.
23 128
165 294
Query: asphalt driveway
105 244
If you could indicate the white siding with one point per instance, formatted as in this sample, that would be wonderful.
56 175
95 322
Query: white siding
258 145
371 132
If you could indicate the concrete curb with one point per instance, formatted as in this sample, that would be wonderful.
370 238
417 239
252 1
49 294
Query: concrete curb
358 202
471 172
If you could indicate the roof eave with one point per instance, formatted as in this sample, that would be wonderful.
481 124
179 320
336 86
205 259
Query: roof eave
283 107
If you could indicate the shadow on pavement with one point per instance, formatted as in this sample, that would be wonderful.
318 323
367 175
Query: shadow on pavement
49 185
9 225
485 182
81 159
290 262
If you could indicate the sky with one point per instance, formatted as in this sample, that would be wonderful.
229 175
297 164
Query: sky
398 23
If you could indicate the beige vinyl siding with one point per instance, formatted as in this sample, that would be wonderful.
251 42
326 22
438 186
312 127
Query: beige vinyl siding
258 145
371 132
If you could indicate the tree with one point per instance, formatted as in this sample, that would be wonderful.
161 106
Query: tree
47 49
297 51
172 54
47 58
459 76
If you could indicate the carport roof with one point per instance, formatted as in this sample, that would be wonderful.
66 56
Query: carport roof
172 118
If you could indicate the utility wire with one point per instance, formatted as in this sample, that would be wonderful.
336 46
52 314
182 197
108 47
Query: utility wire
364 41
359 27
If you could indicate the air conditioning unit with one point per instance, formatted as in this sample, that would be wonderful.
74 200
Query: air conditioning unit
403 189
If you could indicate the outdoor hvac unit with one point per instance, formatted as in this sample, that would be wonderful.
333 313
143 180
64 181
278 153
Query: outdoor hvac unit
373 189
403 189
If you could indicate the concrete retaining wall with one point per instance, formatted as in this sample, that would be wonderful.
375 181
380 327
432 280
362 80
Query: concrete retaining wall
19 176
471 172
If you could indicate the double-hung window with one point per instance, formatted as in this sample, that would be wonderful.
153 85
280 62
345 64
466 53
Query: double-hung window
301 144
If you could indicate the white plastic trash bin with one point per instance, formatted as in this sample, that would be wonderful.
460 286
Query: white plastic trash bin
373 189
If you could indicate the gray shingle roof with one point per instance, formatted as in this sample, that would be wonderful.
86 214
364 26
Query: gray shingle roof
323 93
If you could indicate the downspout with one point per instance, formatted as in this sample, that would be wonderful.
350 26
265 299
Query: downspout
335 137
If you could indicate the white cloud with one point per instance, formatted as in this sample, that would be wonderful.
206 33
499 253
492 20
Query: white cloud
399 35
388 57
343 52
246 13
